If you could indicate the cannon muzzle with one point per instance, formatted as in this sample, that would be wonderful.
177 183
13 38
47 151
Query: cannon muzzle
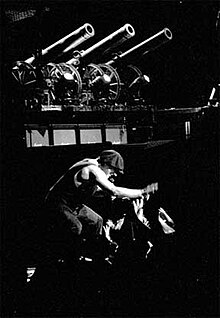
147 45
108 43
64 45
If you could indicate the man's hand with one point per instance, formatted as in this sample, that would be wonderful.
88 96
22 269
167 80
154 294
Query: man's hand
151 188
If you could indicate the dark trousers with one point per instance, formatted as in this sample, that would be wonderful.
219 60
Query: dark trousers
82 220
72 231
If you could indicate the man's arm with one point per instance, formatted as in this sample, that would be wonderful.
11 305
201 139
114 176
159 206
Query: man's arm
120 192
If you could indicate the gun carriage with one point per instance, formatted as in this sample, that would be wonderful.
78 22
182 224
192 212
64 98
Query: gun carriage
50 79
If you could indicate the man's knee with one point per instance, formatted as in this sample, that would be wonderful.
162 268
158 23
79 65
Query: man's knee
72 222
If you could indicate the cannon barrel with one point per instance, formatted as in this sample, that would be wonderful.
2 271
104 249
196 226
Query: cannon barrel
108 43
147 45
65 45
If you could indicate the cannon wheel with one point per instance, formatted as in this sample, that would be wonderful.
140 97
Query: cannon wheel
109 92
24 73
91 72
57 70
115 85
129 74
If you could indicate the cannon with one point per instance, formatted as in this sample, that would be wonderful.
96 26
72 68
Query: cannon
62 82
92 75
107 44
65 45
147 45
25 71
41 73
79 81
126 81
95 78
88 77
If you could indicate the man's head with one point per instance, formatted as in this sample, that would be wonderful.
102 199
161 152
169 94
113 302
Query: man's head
113 160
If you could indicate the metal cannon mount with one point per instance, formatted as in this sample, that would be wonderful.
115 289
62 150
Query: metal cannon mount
52 80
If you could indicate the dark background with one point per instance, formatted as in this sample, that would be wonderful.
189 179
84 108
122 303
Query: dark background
182 281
